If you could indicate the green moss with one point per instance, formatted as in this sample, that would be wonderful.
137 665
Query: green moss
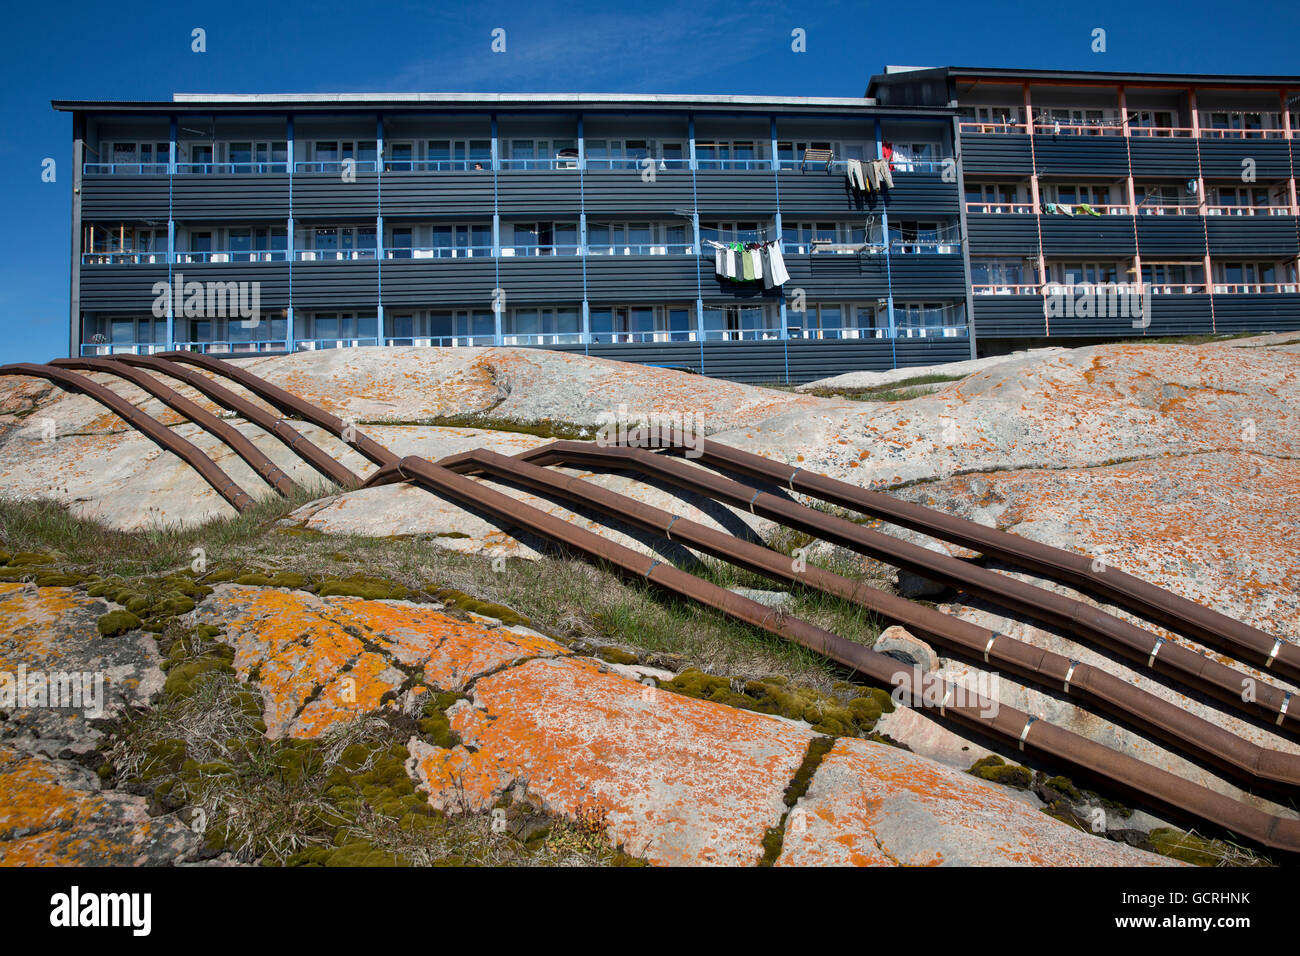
301 531
117 622
993 768
253 580
1065 787
5 556
1186 847
616 655
29 558
463 601
434 723
220 576
358 585
57 579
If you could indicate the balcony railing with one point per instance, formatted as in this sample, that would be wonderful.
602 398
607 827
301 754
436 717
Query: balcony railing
541 338
207 169
1149 209
562 162
271 345
567 249
438 165
438 252
1000 208
232 255
124 258
122 348
344 342
337 166
333 255
1254 288
1220 132
443 341
1248 210
642 249
1006 288
125 169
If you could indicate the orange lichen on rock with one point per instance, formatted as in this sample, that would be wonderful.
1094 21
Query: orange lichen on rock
872 804
684 781
320 661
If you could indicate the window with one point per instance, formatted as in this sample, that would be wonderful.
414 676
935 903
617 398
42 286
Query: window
996 198
729 154
544 326
336 329
257 243
1001 276
1093 273
1254 277
460 154
151 158
637 239
1245 123
1151 122
460 240
920 235
1076 194
992 119
259 157
733 231
1059 120
1238 200
1173 277
542 154
734 322
339 242
929 319
329 156
543 239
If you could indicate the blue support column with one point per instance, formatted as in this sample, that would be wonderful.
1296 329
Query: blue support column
582 233
379 227
889 275
171 237
496 231
289 338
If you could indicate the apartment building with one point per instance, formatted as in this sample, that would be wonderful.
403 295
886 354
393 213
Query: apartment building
590 223
1181 185
599 223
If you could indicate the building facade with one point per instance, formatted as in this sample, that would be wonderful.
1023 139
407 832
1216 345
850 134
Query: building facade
992 201
1181 186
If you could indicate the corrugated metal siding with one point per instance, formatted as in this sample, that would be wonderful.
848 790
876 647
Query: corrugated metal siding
1009 316
1084 155
1263 235
119 288
1160 156
917 276
336 285
1004 154
736 192
327 196
438 195
994 234
1086 235
240 198
635 279
123 197
1224 157
767 361
827 275
819 191
1181 236
272 277
1179 314
539 192
430 282
1250 313
921 193
613 191
542 279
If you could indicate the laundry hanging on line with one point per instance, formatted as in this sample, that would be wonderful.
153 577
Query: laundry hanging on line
744 262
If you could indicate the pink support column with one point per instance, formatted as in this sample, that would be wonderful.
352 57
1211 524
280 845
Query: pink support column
1034 198
1201 204
1128 181
1286 131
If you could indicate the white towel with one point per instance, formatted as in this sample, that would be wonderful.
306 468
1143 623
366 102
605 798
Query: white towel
731 264
718 264
756 256
779 275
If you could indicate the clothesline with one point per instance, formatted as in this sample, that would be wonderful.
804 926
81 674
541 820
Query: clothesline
750 262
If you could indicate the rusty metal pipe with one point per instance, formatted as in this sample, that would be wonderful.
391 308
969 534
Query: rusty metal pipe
294 440
287 402
1160 787
1249 644
155 430
224 432
1088 623
1168 721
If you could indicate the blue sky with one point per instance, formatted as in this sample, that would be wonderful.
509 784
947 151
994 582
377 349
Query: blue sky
124 51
